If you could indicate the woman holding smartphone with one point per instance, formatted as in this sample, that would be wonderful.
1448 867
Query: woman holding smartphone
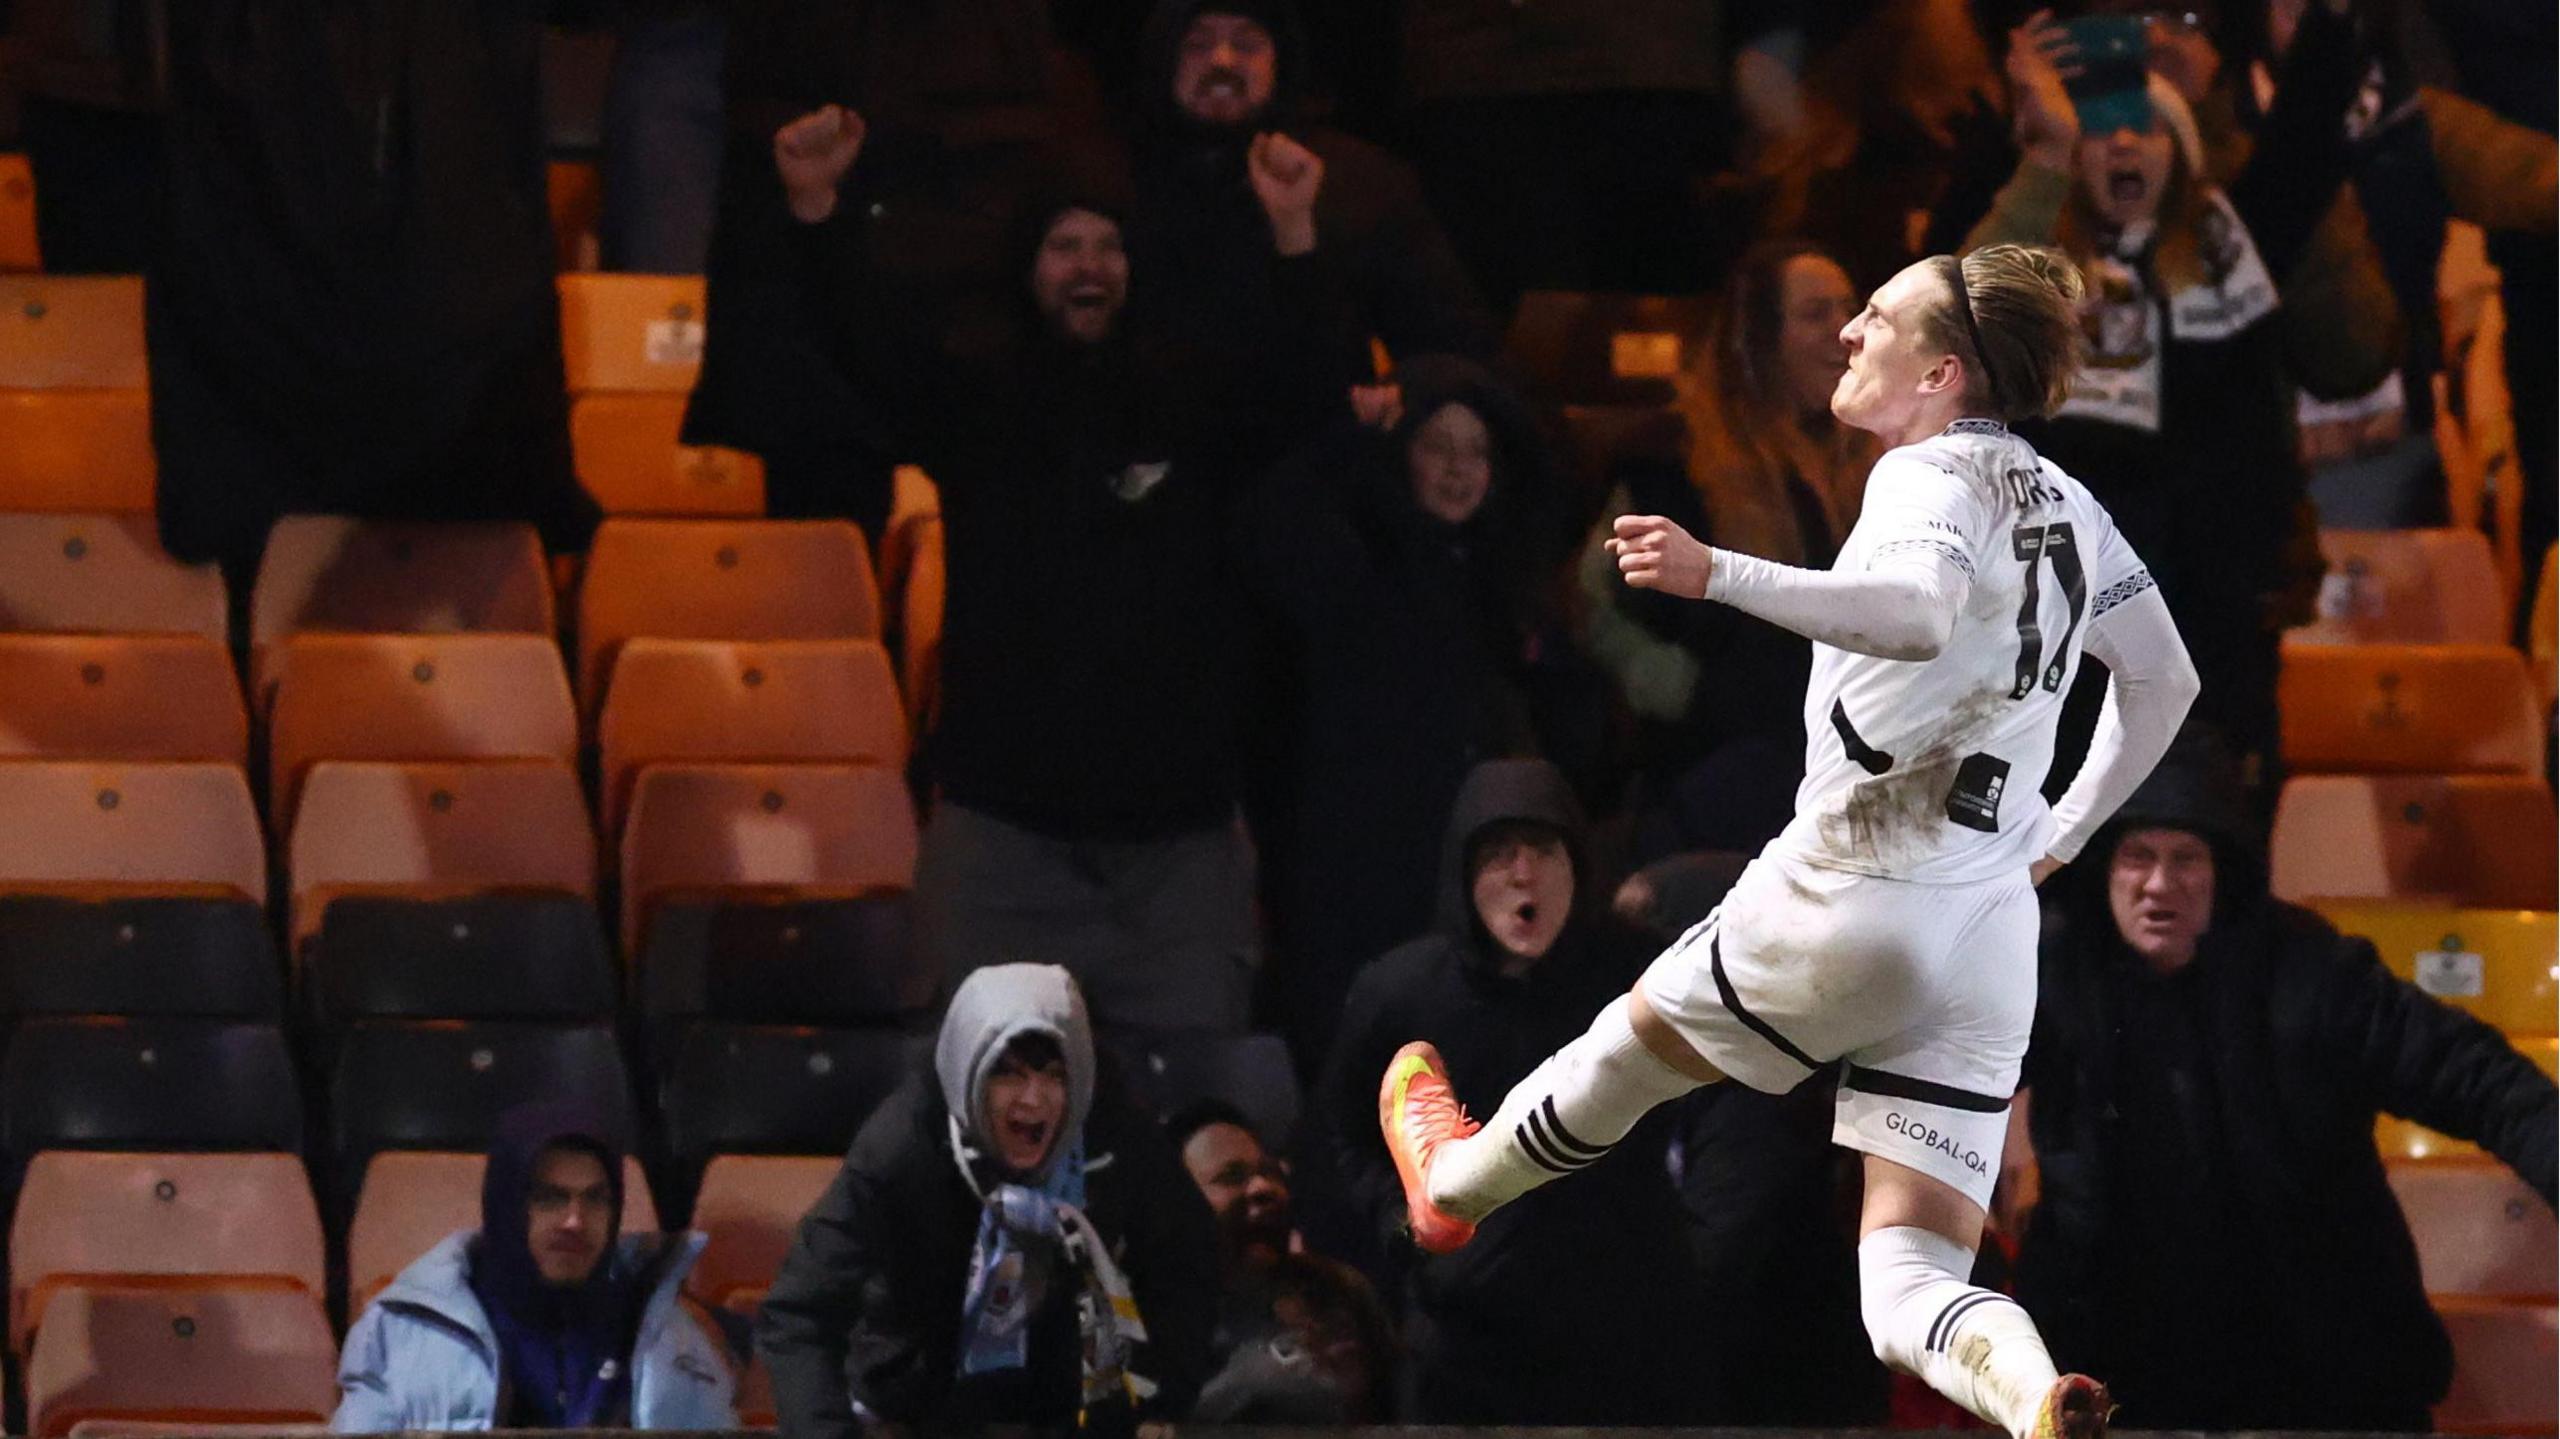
2179 419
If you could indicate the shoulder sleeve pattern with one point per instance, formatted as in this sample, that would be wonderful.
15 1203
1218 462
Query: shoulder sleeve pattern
2119 592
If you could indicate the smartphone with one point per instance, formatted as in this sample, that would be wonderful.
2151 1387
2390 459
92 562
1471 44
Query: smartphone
2112 91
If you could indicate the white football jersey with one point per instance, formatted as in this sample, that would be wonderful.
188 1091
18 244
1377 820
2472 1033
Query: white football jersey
1933 770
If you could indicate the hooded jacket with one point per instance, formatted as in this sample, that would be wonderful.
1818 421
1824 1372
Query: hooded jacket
1574 1304
1407 642
1089 639
432 1350
1200 231
874 1282
2206 1142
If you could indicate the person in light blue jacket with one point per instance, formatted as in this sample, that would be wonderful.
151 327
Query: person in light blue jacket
544 1317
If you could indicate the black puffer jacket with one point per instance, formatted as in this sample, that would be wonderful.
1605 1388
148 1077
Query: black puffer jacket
2210 1177
1573 1304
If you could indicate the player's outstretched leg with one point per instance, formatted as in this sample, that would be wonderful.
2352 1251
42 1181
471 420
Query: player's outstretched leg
1559 1120
1975 1346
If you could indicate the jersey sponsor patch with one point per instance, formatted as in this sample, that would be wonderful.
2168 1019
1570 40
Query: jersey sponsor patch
1974 802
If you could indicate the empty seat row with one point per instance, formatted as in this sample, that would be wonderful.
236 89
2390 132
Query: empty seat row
2488 841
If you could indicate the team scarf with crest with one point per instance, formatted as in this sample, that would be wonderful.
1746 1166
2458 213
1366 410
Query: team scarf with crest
2119 381
995 1309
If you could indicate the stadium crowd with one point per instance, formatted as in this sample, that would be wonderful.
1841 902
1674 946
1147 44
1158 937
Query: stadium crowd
1285 685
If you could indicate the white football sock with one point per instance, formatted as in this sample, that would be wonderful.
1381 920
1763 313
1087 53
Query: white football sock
1559 1120
1976 1347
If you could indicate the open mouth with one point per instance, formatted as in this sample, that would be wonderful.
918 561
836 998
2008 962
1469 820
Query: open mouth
1526 911
2126 187
1089 297
1027 1134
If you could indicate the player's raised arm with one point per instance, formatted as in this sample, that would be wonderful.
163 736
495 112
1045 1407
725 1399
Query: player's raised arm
1901 606
2150 684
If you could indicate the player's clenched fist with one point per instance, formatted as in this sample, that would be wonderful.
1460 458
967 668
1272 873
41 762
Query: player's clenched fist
1655 554
812 155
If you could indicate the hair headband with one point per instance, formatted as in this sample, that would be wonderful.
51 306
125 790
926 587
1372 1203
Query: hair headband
1973 333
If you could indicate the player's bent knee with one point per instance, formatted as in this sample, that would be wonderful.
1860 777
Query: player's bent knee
1665 1043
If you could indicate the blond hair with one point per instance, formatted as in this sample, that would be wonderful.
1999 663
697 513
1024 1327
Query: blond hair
2012 314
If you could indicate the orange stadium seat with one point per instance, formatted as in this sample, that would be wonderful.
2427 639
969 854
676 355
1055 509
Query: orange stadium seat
920 629
234 1356
185 1220
2407 587
631 332
2485 840
95 829
2409 708
750 1205
412 1199
77 450
329 573
915 508
801 831
720 580
103 574
72 332
436 830
770 702
632 461
2497 964
2480 1229
167 697
2504 1357
18 215
2399 1139
415 697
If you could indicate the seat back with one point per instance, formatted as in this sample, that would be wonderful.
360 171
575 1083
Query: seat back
632 460
2407 587
436 830
72 332
1252 1072
490 956
240 1356
824 961
720 580
150 697
412 1199
103 574
750 1206
2480 1230
18 215
2496 964
920 626
2462 709
2503 1358
768 702
207 958
77 451
443 1085
334 573
148 1084
774 831
209 1218
759 1089
2483 840
631 332
97 828
408 698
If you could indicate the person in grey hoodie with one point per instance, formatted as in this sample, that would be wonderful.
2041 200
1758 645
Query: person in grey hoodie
545 1317
1010 1241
